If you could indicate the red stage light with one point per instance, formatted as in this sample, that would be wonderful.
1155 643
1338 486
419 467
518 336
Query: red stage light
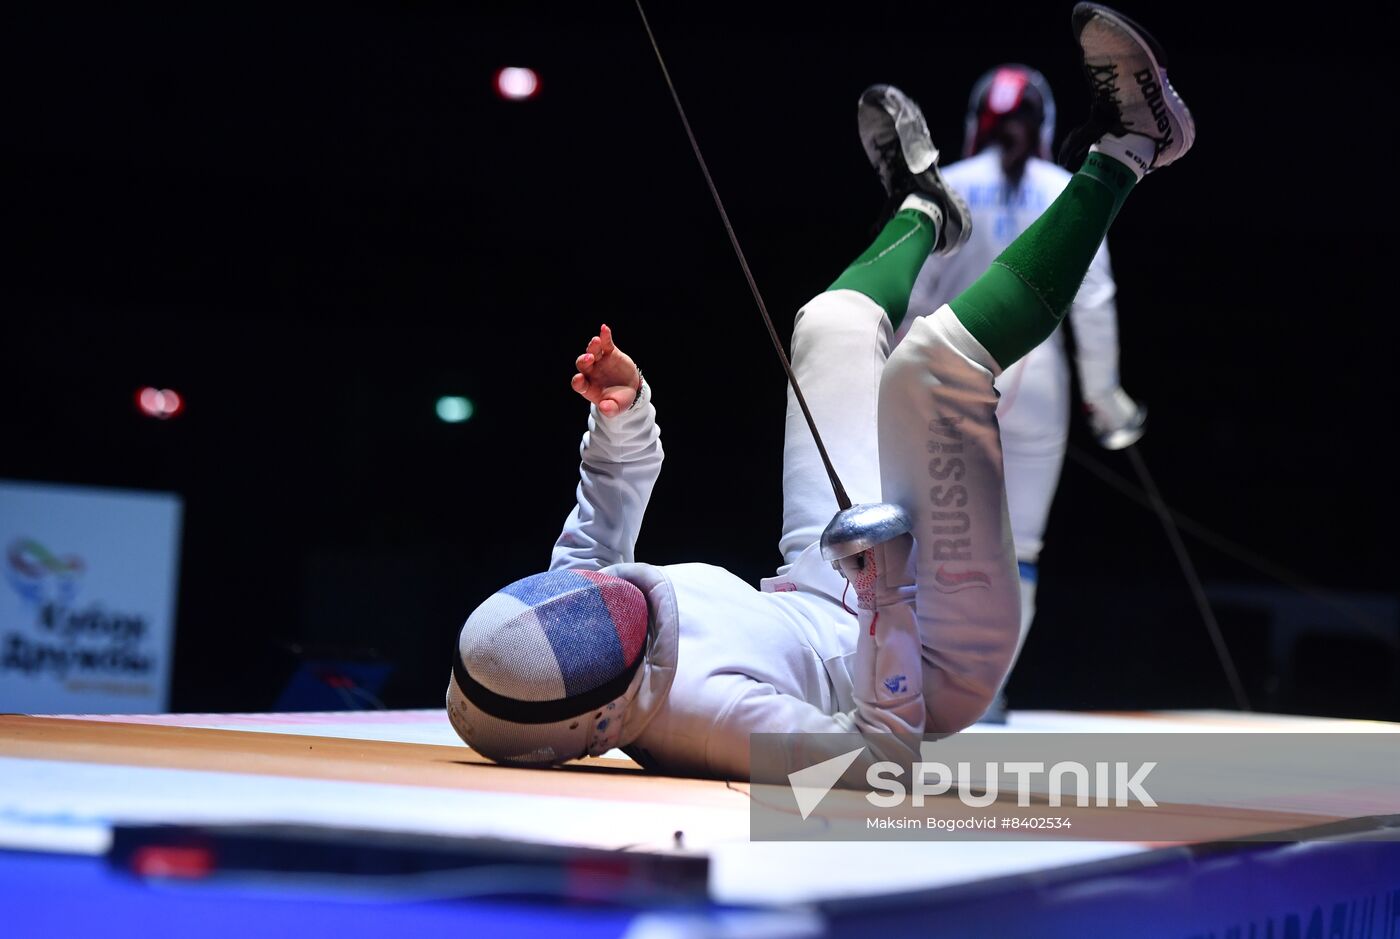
160 403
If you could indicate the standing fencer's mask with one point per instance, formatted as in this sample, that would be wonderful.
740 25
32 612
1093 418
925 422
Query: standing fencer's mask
546 667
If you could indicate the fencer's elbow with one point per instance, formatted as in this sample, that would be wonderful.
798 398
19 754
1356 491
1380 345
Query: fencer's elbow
964 700
951 717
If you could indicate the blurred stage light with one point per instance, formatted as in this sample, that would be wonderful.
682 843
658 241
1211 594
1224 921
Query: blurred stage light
454 409
517 84
160 403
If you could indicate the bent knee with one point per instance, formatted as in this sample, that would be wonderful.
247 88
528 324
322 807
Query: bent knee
841 313
936 356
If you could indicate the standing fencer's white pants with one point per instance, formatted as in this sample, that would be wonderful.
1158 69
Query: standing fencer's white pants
917 428
1034 417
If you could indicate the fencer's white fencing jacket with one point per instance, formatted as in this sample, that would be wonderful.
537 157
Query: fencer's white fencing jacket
724 659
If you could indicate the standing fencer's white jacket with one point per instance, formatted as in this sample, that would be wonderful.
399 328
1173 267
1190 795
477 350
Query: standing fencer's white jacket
724 659
1010 211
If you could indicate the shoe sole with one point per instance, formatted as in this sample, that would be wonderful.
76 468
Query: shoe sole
913 138
1183 123
917 149
908 131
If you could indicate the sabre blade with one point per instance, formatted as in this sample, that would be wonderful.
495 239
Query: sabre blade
1159 505
842 500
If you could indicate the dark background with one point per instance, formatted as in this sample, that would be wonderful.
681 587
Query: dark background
313 221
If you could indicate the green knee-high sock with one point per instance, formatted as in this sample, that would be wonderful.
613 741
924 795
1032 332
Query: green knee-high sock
1022 297
886 271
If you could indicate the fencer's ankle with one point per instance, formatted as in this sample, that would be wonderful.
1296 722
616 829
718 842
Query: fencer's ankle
921 203
1135 151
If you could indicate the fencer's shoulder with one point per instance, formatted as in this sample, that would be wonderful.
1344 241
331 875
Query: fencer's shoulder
655 584
668 579
642 575
700 576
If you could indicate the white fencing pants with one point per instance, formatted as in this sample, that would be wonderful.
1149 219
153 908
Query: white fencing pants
917 428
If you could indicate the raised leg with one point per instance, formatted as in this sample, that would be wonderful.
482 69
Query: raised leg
840 342
940 458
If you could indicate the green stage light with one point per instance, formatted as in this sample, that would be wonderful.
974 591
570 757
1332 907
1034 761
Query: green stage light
454 409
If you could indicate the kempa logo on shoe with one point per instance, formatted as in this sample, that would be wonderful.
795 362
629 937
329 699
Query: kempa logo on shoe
1152 91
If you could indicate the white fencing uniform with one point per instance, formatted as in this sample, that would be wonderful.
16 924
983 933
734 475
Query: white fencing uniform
1035 392
725 659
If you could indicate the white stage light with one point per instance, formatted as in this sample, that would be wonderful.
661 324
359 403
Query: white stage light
517 84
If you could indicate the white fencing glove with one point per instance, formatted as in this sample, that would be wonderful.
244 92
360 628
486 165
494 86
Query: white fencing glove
1117 420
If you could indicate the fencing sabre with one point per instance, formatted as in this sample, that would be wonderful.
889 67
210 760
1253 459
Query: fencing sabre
855 527
1159 506
861 526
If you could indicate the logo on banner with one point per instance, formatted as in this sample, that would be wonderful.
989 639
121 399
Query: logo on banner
68 640
39 576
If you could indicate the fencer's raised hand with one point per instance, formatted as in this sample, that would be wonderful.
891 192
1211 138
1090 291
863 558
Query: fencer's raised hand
607 376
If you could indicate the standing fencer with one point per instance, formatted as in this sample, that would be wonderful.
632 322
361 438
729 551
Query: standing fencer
679 664
1008 180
